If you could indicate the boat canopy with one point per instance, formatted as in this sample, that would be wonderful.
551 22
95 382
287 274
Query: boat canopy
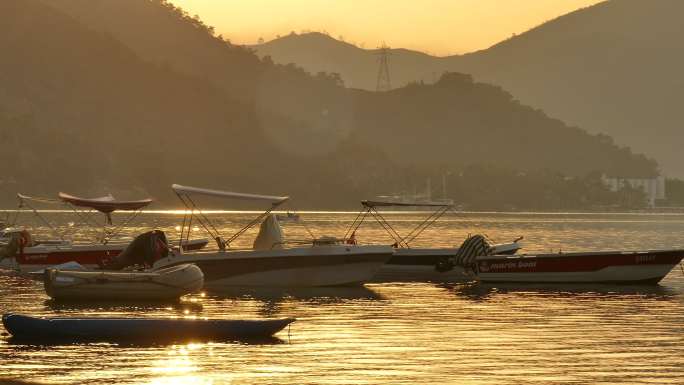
82 208
185 194
23 198
106 204
187 190
404 204
371 207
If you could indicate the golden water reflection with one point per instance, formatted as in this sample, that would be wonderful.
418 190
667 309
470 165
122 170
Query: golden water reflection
399 333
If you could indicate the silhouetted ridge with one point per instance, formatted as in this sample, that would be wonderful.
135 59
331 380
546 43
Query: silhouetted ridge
612 68
129 96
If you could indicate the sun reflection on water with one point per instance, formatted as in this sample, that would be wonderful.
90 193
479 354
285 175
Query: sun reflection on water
398 333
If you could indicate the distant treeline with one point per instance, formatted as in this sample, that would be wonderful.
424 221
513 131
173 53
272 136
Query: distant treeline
128 96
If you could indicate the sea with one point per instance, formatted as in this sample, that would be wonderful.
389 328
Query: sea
388 333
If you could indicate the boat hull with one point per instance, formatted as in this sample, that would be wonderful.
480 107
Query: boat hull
165 284
418 265
40 257
643 267
294 267
127 329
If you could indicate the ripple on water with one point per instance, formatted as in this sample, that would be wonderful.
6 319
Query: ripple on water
401 333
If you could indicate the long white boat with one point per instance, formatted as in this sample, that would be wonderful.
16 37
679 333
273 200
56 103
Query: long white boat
272 261
611 267
618 267
411 264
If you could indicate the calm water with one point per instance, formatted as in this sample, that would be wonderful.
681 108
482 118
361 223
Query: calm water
401 333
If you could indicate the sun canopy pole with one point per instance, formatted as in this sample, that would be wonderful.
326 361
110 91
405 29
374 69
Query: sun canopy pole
24 202
105 205
388 227
184 194
253 222
201 218
413 234
117 230
371 207
360 217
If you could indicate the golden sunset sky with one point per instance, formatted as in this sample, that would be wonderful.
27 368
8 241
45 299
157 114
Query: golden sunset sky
439 27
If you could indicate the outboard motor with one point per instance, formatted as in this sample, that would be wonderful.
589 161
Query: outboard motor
18 240
10 249
471 248
145 249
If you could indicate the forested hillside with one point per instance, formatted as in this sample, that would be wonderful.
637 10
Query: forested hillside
130 96
613 68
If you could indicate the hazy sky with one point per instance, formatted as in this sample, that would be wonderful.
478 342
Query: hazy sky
436 26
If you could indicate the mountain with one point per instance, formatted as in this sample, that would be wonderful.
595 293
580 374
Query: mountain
79 111
130 96
612 68
316 52
327 113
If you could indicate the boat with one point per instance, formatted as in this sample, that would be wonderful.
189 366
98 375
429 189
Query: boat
418 264
617 267
162 284
92 329
272 260
606 267
288 217
37 254
417 201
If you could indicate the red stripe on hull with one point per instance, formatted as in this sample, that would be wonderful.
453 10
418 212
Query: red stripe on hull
90 257
576 262
84 257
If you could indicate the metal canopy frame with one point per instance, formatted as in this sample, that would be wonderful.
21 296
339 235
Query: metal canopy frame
85 218
370 208
25 202
193 211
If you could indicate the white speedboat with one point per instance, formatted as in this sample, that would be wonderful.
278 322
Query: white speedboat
325 265
411 264
272 261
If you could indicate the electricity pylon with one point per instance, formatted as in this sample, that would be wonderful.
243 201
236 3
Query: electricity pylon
383 82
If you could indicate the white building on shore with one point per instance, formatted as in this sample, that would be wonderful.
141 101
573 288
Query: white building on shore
653 188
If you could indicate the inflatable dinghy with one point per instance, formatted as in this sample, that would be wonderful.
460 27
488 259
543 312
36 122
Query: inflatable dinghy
117 280
169 283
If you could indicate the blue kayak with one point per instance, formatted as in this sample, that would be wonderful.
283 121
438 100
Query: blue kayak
151 329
